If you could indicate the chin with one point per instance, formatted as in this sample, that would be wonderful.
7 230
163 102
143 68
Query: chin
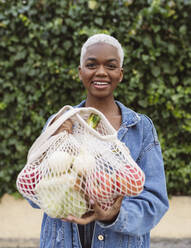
101 95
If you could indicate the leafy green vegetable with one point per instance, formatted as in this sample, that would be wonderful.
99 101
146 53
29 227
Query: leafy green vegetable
93 120
58 198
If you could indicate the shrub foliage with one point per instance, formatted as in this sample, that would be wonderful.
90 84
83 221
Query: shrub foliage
40 43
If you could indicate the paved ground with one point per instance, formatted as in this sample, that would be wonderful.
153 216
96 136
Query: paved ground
171 243
20 225
156 243
19 243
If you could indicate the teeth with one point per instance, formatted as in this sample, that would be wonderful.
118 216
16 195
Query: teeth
100 83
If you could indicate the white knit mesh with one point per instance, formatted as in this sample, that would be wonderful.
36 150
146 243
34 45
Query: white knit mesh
72 168
102 38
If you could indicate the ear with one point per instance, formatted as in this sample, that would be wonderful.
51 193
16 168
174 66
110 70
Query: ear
79 72
121 74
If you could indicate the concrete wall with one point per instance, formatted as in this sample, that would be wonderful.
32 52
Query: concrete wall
18 220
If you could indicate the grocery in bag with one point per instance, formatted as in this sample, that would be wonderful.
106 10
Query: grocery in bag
64 171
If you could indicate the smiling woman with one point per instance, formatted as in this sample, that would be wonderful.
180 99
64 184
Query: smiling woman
100 73
130 219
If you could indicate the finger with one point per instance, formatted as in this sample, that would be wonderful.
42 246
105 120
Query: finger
69 122
59 130
68 219
97 208
63 128
118 201
111 213
116 206
82 221
64 219
66 128
86 220
67 125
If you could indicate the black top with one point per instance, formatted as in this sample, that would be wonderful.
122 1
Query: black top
86 234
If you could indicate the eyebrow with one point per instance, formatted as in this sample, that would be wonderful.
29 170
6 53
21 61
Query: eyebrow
109 60
91 58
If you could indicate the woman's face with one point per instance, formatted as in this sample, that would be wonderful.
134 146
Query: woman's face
101 71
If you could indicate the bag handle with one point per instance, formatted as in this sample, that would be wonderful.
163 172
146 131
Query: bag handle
76 111
40 145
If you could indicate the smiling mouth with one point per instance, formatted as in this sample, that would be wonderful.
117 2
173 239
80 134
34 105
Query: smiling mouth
100 83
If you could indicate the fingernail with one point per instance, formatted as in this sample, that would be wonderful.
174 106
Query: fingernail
69 217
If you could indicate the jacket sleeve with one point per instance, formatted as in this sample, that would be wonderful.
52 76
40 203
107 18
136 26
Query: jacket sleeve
34 205
138 215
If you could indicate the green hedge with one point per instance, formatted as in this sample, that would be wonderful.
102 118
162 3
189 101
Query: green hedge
40 45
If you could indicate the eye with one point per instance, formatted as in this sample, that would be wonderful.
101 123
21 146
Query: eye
111 66
91 65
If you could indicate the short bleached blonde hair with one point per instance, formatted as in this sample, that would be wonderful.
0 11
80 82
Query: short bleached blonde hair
102 38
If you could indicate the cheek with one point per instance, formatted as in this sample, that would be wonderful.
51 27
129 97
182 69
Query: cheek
116 77
85 75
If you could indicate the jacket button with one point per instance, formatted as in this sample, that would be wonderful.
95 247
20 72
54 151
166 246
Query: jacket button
100 237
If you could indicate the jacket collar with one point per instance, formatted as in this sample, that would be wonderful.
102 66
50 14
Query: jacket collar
129 117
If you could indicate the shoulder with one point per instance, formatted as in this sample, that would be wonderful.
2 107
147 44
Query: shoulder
146 121
139 122
148 129
132 118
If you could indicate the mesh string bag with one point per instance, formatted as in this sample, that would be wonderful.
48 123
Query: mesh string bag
64 171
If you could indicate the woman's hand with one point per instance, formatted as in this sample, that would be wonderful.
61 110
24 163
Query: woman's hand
98 214
66 126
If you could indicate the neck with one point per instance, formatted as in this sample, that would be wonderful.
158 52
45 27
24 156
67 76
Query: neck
107 107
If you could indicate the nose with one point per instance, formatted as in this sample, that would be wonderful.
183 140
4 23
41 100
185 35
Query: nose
101 71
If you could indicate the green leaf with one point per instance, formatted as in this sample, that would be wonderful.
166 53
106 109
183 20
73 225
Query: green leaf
183 30
155 70
67 45
172 48
147 41
99 21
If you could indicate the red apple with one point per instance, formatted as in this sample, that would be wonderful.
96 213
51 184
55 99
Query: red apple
130 181
27 182
100 186
106 205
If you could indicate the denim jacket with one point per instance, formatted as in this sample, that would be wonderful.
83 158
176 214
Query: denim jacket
139 214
